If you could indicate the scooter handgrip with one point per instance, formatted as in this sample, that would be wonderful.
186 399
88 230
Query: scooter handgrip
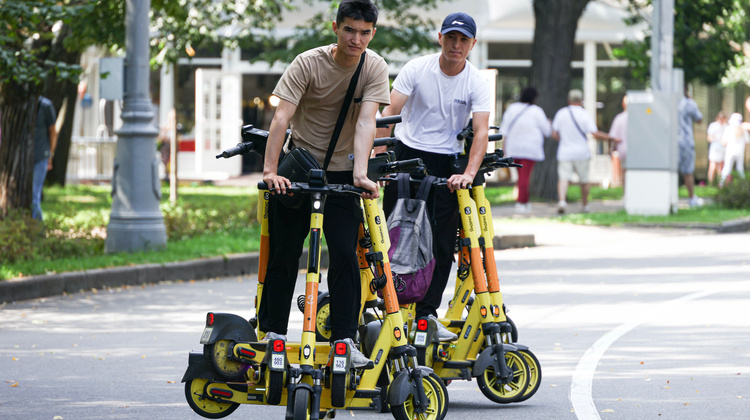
408 164
386 121
466 132
239 149
495 137
384 141
262 185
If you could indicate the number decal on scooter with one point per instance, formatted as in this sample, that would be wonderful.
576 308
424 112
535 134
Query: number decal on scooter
277 361
339 364
420 339
206 335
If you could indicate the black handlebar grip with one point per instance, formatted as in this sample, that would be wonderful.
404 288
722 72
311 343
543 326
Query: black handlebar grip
495 137
405 165
384 141
262 185
466 132
386 121
239 149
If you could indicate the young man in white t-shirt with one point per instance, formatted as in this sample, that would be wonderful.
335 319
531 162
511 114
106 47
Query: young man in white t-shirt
569 127
436 96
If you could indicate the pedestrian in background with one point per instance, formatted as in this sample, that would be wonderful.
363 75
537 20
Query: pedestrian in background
716 149
687 114
619 134
45 142
524 128
734 139
570 127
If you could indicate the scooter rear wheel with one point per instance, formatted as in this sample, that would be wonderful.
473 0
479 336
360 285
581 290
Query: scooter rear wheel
535 374
218 352
338 389
436 409
195 393
274 387
504 393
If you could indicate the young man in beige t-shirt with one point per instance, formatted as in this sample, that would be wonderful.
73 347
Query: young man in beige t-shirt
312 90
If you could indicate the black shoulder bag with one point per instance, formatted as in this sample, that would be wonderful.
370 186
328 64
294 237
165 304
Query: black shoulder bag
570 110
298 162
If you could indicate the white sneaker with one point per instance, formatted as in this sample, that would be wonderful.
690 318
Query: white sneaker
561 206
273 336
358 359
522 208
695 201
586 209
443 333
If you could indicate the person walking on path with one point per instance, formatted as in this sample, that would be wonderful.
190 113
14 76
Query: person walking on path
734 139
45 143
312 91
436 96
524 128
570 127
618 132
687 114
716 149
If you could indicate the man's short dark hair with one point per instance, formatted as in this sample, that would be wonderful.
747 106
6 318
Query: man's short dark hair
357 10
528 95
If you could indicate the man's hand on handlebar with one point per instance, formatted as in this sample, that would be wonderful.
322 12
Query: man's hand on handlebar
276 183
459 182
373 191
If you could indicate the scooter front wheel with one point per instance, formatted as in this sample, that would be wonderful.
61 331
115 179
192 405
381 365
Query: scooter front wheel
535 374
302 404
504 393
323 319
195 393
436 408
218 352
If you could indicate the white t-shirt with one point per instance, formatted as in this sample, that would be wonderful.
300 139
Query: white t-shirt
573 145
619 130
439 106
524 139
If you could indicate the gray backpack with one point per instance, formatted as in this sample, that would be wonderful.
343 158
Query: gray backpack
410 232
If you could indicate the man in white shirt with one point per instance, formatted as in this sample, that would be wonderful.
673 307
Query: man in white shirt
570 127
436 96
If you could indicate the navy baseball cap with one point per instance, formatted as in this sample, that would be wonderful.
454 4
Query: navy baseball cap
460 22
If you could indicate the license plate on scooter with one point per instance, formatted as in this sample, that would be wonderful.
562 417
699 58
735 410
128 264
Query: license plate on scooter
420 338
339 364
277 361
206 335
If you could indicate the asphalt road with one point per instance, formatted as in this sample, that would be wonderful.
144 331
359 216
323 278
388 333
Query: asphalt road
627 323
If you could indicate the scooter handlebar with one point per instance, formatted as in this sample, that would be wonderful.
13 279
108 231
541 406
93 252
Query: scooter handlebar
384 122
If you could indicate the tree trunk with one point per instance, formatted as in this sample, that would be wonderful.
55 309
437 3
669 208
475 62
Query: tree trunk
62 93
18 109
552 53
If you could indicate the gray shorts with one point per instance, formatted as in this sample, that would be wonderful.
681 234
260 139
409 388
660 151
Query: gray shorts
687 159
565 169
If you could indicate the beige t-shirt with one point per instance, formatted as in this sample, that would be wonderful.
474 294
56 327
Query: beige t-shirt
317 85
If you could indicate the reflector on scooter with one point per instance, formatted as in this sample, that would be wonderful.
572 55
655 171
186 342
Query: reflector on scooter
340 349
278 345
224 393
209 319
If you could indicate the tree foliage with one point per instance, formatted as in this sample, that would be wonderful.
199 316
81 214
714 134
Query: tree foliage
402 27
708 38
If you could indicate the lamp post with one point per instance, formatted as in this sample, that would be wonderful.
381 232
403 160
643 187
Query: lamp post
136 222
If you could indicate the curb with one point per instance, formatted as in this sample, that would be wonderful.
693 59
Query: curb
734 226
40 286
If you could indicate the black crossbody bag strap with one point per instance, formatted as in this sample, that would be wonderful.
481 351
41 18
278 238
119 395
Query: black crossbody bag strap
577 126
344 110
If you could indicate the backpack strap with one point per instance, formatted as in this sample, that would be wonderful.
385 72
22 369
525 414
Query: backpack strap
424 188
404 190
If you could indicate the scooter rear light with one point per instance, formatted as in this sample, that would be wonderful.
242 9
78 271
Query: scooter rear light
422 325
209 319
340 349
278 345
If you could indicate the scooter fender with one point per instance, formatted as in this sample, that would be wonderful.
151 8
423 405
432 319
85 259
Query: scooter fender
401 386
488 358
228 327
199 367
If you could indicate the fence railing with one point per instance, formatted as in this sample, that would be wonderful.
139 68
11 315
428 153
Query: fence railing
91 159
